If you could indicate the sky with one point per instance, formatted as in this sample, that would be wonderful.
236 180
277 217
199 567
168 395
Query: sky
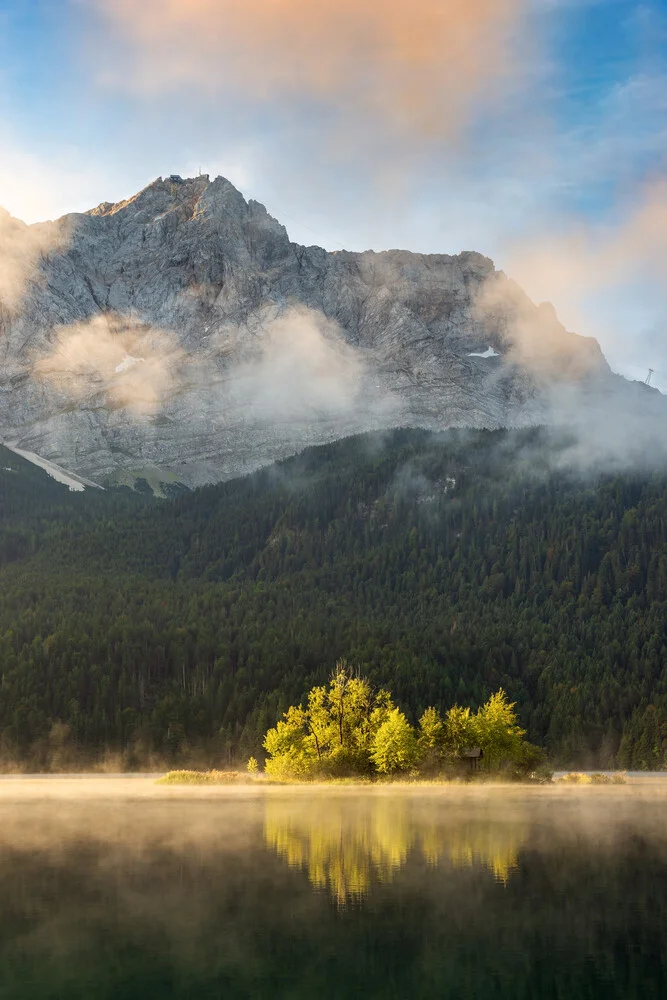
534 131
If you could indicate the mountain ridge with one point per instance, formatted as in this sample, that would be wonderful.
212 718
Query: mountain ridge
253 347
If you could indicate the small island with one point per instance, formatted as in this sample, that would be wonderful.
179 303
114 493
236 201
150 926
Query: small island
348 731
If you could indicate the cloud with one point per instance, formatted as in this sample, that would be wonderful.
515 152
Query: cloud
536 339
590 269
289 367
21 248
127 363
31 188
34 187
303 367
419 67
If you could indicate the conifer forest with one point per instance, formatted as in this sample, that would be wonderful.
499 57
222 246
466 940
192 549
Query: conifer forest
442 567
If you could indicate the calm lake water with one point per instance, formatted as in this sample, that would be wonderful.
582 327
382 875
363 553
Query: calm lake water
118 889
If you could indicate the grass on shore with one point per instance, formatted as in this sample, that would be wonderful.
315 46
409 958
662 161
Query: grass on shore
205 778
578 778
213 777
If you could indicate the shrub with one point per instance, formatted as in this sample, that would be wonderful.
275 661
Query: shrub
202 778
575 778
291 766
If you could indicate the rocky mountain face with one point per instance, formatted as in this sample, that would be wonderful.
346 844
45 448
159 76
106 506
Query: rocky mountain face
181 335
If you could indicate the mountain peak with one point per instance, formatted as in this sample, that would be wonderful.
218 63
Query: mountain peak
160 194
252 347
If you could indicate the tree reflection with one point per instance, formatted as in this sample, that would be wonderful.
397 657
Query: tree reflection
345 846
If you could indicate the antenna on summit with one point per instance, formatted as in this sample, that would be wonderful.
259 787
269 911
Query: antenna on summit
648 378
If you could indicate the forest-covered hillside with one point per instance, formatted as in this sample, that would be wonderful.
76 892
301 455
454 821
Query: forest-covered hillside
444 566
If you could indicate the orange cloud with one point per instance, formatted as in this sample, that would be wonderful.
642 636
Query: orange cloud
411 64
124 363
583 268
566 265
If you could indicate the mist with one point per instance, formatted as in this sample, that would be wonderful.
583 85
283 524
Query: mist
290 369
107 882
613 424
302 366
607 278
129 364
295 373
21 250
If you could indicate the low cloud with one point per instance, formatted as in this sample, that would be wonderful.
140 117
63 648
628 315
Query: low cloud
302 367
21 249
598 421
287 367
590 270
126 363
533 337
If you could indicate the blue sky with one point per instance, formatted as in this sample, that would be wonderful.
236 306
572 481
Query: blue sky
564 141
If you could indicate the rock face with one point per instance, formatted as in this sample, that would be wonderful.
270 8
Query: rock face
181 335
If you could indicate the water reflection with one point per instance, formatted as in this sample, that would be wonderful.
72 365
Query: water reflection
510 895
346 846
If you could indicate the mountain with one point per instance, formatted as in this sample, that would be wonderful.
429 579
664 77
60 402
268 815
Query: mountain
180 336
443 566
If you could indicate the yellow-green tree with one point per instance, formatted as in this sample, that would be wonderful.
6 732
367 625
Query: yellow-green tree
496 731
346 728
430 740
460 731
290 747
445 739
494 728
395 747
431 731
333 734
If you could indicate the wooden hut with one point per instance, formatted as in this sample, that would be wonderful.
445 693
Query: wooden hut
473 756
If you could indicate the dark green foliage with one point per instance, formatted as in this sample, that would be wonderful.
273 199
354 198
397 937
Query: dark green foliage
443 566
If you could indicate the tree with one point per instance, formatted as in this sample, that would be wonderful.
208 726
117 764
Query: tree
431 739
395 746
496 731
215 606
460 731
334 734
431 731
290 749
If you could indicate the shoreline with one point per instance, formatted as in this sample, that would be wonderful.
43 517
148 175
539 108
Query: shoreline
120 788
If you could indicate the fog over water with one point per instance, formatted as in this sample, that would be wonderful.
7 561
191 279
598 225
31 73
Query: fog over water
117 887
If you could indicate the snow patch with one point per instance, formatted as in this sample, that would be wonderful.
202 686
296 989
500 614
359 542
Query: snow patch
127 363
75 483
490 353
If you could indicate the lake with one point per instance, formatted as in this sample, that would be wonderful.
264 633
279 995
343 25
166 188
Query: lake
117 888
